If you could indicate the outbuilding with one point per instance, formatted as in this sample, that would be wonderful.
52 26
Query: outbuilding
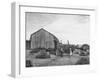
43 39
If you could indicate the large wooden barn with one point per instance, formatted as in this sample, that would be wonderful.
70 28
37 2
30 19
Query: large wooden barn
43 39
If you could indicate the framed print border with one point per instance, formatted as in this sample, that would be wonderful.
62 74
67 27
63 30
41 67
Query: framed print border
18 39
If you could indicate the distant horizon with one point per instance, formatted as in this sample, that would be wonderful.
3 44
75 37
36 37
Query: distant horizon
74 28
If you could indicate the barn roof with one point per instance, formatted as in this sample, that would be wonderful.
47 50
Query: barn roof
45 31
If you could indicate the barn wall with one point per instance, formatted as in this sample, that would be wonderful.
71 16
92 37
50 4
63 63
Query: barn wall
42 39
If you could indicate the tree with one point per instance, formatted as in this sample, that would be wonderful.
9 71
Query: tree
85 47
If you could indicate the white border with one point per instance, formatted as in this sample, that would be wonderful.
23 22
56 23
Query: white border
19 60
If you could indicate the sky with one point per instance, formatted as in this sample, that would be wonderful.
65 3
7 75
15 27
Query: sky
75 28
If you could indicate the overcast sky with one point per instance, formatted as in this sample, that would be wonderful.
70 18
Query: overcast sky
74 28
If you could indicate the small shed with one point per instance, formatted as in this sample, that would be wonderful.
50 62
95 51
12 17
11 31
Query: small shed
43 39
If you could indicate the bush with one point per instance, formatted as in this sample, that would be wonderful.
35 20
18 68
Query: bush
82 54
35 50
28 63
53 52
83 61
43 54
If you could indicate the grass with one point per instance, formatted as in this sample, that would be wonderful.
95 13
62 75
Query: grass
55 60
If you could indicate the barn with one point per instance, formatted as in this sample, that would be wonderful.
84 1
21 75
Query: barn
43 39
